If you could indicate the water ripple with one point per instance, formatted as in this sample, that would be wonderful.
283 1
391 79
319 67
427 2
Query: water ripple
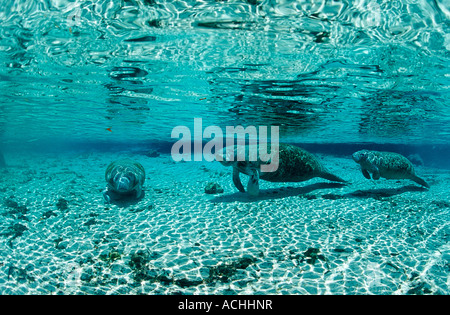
299 64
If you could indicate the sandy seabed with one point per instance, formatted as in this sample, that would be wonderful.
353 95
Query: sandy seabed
57 235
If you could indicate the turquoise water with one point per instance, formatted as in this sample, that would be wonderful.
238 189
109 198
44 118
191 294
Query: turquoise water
325 71
118 76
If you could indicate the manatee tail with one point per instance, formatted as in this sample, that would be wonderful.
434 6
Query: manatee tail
327 175
420 181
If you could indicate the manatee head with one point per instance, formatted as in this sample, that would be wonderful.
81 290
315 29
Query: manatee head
239 155
226 157
360 156
123 181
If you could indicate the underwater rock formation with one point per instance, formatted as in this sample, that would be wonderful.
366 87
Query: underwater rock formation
213 188
62 204
152 153
415 159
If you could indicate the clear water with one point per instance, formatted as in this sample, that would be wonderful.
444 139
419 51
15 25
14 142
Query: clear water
122 74
326 71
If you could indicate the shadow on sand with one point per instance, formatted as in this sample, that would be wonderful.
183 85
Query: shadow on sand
383 192
127 201
277 193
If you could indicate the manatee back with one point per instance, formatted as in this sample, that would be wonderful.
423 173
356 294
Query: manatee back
295 165
393 165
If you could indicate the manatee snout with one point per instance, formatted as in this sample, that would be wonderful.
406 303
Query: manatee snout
225 157
359 156
123 183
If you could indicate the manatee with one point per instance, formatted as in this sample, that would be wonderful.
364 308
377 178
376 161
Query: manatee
388 165
124 179
294 165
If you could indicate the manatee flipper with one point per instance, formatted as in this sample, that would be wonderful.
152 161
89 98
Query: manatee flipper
327 175
376 173
139 193
420 181
253 183
237 180
366 173
106 196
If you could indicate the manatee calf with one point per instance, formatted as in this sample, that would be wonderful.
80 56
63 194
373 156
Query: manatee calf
388 165
294 165
124 179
